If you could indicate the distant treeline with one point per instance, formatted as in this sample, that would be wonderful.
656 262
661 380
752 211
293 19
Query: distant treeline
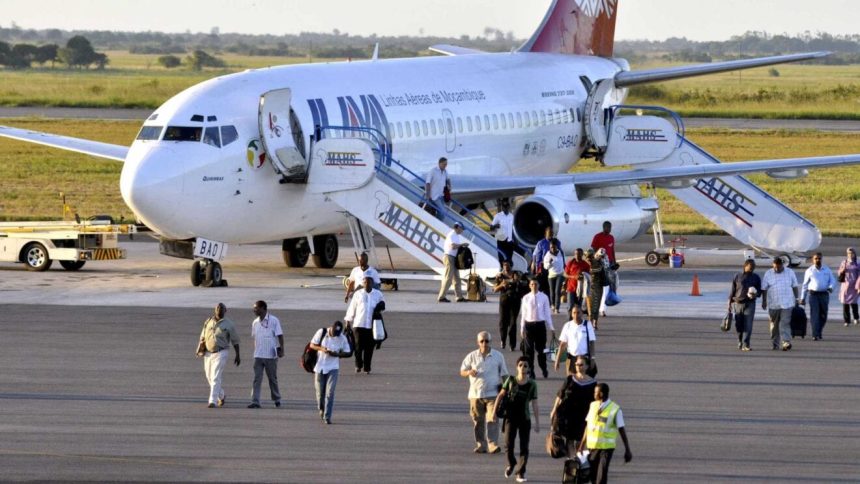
339 45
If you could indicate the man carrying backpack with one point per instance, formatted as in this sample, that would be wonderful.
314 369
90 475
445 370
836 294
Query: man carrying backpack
331 345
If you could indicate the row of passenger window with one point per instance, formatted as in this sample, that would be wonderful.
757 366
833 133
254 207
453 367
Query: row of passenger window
486 122
212 135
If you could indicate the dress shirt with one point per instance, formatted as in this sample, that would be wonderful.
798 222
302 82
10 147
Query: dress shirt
265 332
605 242
535 307
576 337
491 369
453 238
361 306
779 288
358 274
437 179
506 225
325 362
817 280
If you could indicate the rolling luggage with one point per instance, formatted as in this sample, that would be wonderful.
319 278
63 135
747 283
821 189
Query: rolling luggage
798 322
575 472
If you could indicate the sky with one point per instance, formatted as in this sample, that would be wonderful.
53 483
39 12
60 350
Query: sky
637 19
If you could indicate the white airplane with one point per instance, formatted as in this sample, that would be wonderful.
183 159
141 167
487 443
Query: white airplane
283 153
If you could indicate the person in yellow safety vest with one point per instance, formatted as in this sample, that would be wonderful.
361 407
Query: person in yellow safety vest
603 424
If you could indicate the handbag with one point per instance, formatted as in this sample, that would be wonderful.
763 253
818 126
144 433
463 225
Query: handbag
555 444
612 297
379 332
592 365
727 321
501 408
552 351
841 276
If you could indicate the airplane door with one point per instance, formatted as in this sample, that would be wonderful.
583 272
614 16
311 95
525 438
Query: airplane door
277 126
450 131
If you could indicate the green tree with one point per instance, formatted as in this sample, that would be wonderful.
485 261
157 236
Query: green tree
200 59
22 56
79 53
169 61
5 53
46 53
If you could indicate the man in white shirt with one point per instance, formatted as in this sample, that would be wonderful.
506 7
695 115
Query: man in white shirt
268 347
331 345
535 323
779 295
365 306
485 368
359 272
503 224
577 339
818 283
437 182
453 241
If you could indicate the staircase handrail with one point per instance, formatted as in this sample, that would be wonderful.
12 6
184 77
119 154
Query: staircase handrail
679 123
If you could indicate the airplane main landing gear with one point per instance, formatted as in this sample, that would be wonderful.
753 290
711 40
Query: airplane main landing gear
207 273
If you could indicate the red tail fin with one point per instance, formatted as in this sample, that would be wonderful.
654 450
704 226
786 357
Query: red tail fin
584 27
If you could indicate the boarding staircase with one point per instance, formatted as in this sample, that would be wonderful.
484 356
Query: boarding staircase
353 167
629 136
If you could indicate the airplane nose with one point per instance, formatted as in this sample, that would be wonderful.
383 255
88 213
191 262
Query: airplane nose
150 184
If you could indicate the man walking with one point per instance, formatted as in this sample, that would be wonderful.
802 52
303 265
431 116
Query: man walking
365 306
453 242
503 224
535 323
818 283
575 270
331 345
577 339
745 288
603 425
215 339
779 295
268 347
541 249
436 186
485 368
606 241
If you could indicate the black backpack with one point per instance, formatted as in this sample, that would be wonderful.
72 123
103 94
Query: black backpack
464 258
309 356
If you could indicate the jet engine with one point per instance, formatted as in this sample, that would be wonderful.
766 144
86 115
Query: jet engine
576 220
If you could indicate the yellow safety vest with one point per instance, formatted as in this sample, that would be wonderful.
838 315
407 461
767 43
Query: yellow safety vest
602 430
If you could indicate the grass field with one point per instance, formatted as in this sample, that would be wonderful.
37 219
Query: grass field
32 176
137 81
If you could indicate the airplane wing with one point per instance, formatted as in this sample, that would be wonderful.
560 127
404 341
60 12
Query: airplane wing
448 49
632 78
87 147
484 188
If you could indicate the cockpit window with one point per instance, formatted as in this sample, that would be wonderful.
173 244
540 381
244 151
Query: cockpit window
211 136
182 133
228 135
149 133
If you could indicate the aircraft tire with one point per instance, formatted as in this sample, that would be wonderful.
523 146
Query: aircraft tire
214 275
196 274
295 252
72 265
36 257
327 251
652 258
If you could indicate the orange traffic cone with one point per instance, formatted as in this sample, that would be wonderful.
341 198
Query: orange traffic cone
695 291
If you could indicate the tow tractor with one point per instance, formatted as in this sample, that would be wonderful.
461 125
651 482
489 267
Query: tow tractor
71 243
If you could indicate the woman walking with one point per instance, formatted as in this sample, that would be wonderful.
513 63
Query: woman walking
598 280
849 276
520 391
571 404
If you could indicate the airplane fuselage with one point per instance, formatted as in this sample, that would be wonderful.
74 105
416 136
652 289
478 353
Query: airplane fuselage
489 114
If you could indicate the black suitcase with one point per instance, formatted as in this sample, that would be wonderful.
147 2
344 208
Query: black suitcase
798 322
574 473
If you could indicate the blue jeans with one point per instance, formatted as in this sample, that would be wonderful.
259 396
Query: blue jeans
325 384
555 291
744 314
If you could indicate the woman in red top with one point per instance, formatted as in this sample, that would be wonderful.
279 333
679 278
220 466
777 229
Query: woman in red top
572 271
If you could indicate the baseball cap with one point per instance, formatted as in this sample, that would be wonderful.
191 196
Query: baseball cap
458 225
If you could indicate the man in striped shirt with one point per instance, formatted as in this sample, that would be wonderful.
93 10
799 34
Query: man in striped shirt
268 347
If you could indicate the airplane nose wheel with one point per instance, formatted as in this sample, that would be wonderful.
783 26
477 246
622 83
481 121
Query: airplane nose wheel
207 273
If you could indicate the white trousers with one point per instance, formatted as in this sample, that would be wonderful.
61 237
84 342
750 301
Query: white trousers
213 366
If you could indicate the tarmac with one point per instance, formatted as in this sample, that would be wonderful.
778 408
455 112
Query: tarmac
100 383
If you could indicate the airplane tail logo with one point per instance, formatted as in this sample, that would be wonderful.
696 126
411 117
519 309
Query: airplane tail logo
583 27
